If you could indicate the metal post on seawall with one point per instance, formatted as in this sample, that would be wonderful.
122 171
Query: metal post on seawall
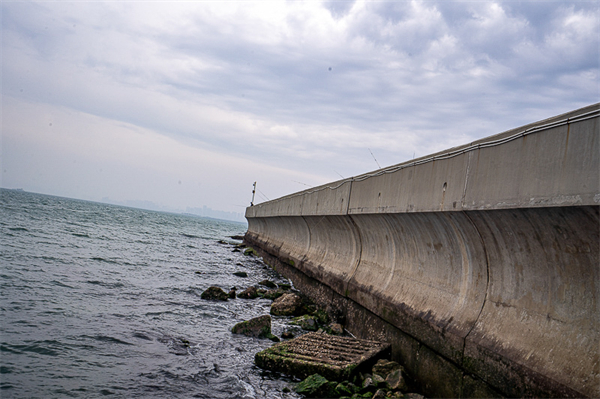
253 192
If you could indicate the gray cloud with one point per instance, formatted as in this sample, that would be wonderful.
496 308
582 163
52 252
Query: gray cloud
302 87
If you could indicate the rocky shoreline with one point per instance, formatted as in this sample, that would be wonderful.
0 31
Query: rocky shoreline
386 379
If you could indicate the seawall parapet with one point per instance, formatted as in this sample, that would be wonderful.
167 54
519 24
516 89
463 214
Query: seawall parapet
480 264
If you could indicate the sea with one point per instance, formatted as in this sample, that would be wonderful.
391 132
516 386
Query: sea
99 300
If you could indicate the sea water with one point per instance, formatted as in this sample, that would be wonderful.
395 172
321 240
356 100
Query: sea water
99 300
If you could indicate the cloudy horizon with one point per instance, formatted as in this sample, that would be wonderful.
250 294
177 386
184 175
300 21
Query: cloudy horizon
187 104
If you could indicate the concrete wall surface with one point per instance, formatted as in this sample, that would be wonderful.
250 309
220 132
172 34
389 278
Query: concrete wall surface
481 261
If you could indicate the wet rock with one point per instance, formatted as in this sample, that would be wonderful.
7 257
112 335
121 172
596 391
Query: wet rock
287 305
273 294
343 390
414 396
380 394
248 293
306 322
214 293
321 316
285 286
268 284
396 381
236 250
250 252
368 384
314 386
231 293
257 327
336 328
240 274
379 381
383 367
223 242
237 237
287 335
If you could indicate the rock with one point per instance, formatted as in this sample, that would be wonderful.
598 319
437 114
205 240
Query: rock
378 381
285 286
343 390
306 322
383 367
240 274
236 250
336 328
287 305
223 242
287 335
214 293
273 294
414 396
313 386
368 385
237 237
321 316
380 394
268 284
250 252
396 381
257 327
231 293
249 293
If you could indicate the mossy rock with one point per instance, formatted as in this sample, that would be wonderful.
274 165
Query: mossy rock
257 327
268 284
316 386
306 322
214 293
250 252
321 316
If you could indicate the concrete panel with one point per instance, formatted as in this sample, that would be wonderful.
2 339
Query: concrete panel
425 273
555 168
334 251
331 200
433 186
541 308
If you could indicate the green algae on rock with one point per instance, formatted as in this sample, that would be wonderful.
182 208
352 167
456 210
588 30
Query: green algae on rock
257 327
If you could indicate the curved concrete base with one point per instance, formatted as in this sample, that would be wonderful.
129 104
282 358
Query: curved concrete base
492 301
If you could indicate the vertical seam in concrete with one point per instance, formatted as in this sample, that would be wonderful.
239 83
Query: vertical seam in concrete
487 285
359 257
462 201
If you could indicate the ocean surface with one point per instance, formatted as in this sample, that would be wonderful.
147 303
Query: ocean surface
99 300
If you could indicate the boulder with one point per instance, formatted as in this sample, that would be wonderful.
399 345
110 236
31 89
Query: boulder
383 367
272 294
287 305
240 274
306 322
336 328
250 252
231 293
248 293
268 284
287 335
257 327
214 293
313 386
396 381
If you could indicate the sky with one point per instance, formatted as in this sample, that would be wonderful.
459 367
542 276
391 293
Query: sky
187 104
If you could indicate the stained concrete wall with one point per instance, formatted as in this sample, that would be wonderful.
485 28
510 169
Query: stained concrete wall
483 259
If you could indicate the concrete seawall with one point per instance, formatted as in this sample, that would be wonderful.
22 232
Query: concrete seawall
480 264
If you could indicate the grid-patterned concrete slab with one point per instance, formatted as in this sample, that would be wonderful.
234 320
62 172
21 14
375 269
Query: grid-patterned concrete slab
333 357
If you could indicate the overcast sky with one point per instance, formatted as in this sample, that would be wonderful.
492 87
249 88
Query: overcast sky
187 104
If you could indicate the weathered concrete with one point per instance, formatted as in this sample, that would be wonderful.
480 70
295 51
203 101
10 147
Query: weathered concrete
479 264
335 358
